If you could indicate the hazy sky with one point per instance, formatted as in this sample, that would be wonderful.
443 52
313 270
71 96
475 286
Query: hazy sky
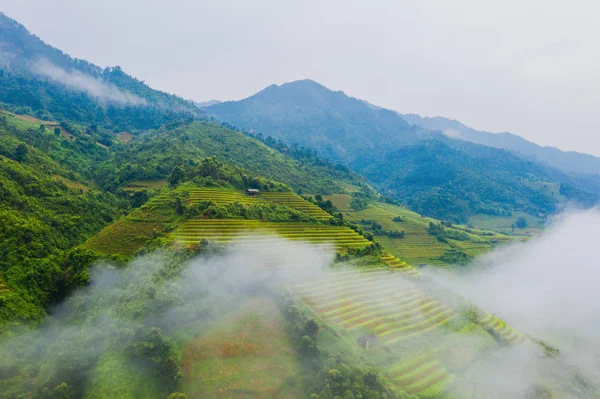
531 67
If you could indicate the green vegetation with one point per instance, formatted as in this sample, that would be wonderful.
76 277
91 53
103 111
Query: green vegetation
156 153
417 239
43 215
134 263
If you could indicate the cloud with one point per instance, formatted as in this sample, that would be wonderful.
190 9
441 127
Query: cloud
76 80
546 288
104 320
455 134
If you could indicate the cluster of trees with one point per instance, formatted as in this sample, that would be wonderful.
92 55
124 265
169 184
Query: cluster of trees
112 338
265 211
210 172
358 204
154 154
378 230
326 376
437 179
41 220
443 233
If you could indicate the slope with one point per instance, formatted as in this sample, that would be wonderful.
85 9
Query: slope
41 80
155 153
309 114
46 209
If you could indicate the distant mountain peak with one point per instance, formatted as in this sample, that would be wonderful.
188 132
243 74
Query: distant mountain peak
310 114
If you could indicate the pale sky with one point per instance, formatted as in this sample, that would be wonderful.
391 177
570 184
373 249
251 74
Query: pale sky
531 67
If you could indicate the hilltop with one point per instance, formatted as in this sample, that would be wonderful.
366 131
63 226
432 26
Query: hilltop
309 114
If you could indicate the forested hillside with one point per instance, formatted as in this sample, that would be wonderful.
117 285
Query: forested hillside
568 161
425 169
41 80
304 112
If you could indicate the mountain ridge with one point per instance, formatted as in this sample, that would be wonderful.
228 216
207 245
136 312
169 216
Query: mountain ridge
568 161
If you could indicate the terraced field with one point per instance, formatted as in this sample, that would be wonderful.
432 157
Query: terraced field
222 196
384 306
4 289
420 375
398 264
507 333
295 202
226 231
418 246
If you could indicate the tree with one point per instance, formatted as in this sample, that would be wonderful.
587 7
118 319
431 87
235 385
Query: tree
521 222
307 346
311 329
176 176
21 152
57 131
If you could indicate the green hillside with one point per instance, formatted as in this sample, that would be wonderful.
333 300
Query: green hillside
408 235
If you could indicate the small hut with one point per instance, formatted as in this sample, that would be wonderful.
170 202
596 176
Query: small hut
252 192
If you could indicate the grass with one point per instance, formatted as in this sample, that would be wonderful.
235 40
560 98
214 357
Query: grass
418 247
504 223
146 184
247 356
73 184
131 233
124 137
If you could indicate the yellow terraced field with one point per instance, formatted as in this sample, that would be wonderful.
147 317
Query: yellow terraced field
224 196
225 231
419 374
296 202
383 303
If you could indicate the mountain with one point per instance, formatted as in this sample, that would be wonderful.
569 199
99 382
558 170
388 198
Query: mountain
204 104
304 112
567 161
435 174
39 79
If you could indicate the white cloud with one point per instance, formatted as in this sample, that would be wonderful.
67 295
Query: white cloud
76 80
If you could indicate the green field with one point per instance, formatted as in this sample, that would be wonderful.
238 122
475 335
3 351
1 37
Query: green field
225 231
388 307
247 356
503 223
222 196
418 246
